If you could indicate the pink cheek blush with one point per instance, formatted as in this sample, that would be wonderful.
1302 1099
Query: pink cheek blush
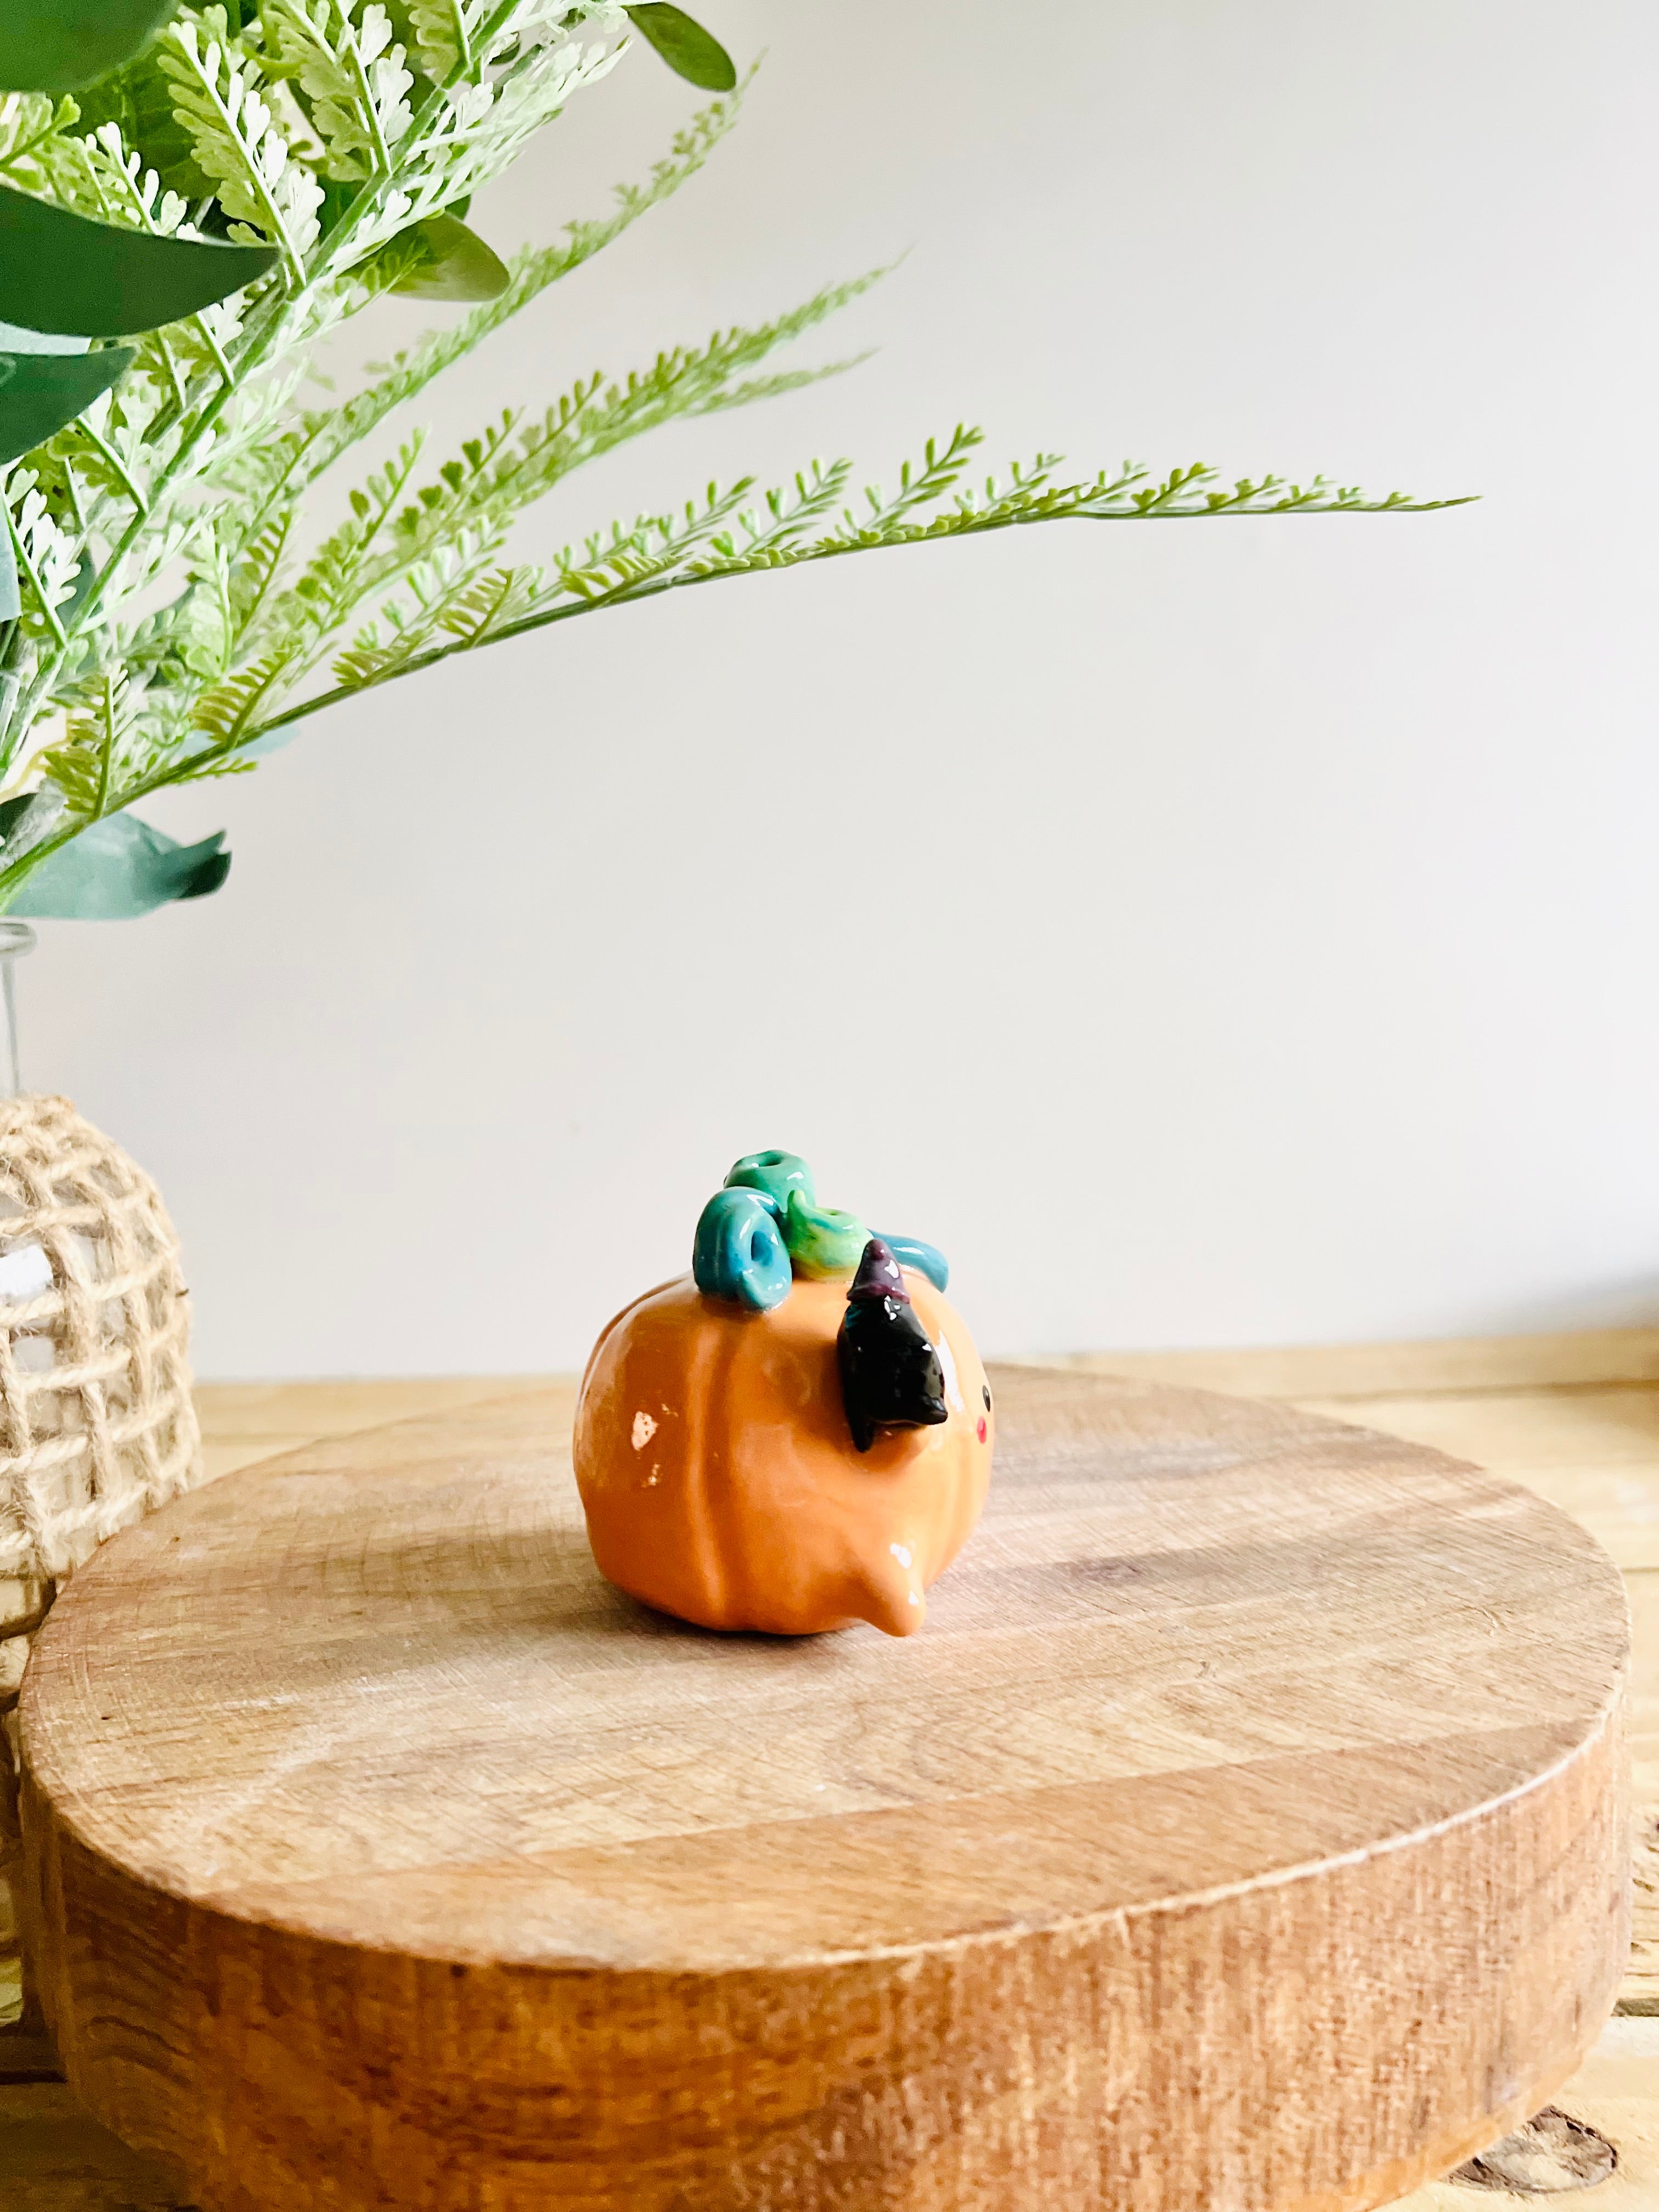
981 1428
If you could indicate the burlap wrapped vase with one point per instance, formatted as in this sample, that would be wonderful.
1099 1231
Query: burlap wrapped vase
97 1427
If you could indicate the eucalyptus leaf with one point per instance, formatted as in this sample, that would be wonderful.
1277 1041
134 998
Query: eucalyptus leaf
689 50
42 392
69 274
118 868
58 46
11 605
455 263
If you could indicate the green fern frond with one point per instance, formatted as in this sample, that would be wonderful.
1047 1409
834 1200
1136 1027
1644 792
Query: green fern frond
352 74
441 36
467 608
219 94
85 765
462 597
723 539
532 271
334 581
494 481
624 562
527 61
39 152
488 602
47 555
224 713
254 577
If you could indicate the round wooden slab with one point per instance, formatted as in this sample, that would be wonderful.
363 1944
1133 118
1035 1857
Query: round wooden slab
1244 1831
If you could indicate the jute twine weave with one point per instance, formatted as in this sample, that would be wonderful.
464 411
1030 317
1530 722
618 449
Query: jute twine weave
97 1427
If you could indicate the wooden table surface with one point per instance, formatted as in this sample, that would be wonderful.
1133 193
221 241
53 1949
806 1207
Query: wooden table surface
1576 1418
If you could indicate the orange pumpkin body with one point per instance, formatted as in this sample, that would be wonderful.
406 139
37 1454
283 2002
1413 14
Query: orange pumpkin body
720 1480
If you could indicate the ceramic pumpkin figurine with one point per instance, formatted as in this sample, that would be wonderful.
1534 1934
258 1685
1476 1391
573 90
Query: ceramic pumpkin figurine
795 1435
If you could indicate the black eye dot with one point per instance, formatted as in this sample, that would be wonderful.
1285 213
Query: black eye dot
987 1397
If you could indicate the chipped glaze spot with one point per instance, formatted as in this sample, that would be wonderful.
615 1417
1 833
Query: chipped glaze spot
644 1429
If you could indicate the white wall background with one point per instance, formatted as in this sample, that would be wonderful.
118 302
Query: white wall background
1212 934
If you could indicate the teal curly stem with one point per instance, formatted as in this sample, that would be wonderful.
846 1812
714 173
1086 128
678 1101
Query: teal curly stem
775 1173
821 1239
738 1251
926 1259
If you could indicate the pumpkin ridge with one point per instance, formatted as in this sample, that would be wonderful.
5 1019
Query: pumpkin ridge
615 1323
711 1367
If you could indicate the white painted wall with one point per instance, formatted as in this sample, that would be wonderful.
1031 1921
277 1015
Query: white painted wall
1216 933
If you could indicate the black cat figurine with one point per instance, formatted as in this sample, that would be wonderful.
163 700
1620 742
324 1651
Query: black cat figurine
890 1376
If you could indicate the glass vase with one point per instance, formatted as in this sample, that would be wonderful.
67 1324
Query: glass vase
16 939
22 1602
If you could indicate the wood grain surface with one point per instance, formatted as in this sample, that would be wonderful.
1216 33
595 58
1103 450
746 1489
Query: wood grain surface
1246 1829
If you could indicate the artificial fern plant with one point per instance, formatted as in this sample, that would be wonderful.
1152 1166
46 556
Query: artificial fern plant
180 611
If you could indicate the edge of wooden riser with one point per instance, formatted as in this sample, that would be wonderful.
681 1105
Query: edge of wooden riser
1596 1359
